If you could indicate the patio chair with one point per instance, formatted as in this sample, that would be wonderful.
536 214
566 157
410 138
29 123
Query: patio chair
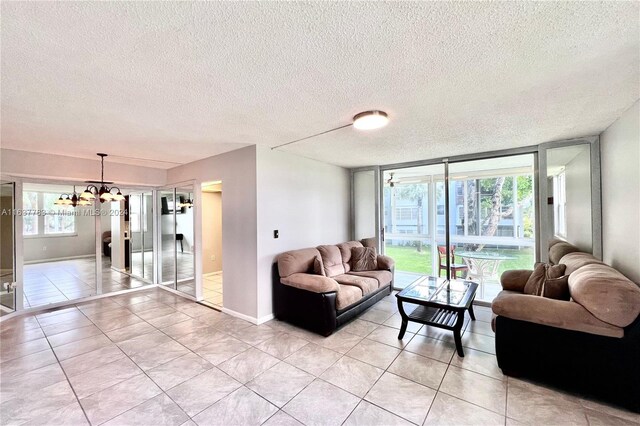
455 267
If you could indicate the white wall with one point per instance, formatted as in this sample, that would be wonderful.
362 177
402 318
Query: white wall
620 159
211 232
306 200
578 193
237 169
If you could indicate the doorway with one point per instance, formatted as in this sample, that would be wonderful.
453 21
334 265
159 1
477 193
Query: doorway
212 243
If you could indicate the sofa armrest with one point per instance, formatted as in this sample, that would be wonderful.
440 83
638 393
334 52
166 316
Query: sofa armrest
385 263
310 282
551 312
515 279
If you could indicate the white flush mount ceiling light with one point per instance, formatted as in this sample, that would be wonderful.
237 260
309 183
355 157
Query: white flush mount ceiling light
367 120
370 120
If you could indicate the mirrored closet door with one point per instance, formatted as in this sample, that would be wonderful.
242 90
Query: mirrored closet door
176 236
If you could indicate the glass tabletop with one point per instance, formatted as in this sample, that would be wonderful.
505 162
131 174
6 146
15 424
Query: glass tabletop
438 290
485 255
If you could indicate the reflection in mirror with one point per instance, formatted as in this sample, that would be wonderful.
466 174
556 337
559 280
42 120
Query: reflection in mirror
185 240
569 195
147 230
59 248
7 272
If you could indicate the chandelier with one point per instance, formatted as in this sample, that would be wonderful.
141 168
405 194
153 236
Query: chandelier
72 200
95 189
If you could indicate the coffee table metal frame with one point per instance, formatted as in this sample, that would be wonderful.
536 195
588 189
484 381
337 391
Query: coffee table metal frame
438 314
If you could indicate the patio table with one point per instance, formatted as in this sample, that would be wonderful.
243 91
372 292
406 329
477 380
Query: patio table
483 265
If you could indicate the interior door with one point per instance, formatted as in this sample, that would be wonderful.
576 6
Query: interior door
7 248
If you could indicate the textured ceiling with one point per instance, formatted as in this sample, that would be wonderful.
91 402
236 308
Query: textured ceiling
179 81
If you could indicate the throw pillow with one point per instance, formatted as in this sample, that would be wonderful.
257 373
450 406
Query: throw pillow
536 280
364 259
557 288
541 273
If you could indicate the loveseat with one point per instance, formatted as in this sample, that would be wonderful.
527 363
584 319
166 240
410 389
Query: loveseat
588 344
318 289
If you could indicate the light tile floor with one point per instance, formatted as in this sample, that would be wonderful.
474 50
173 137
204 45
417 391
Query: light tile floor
151 357
212 289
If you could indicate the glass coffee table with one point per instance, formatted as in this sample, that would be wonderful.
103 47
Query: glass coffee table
441 304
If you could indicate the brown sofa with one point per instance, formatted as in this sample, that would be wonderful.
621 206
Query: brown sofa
316 288
589 344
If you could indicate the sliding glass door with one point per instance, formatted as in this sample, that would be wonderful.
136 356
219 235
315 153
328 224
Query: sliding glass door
411 217
492 219
491 224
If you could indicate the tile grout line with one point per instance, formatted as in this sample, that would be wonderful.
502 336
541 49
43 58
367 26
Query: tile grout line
65 375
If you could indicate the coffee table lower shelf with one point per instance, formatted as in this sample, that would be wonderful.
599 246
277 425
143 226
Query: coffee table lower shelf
445 318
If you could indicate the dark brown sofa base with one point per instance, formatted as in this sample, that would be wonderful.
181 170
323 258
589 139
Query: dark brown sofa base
588 364
317 311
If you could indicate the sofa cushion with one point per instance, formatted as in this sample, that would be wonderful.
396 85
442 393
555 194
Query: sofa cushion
559 250
332 260
366 284
310 282
296 261
577 260
542 272
364 259
554 313
347 295
606 293
383 277
345 252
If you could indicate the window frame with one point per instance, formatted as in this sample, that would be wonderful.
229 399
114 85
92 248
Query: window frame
41 218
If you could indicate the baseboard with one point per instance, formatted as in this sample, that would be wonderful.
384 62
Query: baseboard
252 320
58 259
265 318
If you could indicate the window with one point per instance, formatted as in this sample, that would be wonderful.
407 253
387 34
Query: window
406 213
57 219
42 217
